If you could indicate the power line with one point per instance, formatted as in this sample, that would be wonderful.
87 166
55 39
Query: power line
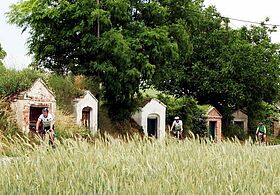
236 19
251 22
233 24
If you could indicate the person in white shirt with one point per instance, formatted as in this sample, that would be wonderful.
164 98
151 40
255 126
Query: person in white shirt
46 122
178 126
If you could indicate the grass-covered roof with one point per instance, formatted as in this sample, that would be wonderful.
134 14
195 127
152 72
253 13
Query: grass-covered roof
13 81
204 108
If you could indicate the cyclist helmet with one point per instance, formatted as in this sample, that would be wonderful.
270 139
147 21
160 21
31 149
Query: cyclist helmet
45 110
177 118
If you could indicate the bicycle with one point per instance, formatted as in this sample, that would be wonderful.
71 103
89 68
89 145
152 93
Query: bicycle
46 133
177 135
261 139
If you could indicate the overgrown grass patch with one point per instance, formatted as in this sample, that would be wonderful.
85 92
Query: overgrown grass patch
143 167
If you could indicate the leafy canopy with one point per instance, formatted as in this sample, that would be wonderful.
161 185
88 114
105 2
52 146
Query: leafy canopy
228 68
180 47
136 38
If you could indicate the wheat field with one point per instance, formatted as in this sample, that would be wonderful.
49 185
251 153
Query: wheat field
141 167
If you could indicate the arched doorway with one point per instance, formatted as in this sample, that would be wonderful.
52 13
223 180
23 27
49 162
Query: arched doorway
86 112
153 125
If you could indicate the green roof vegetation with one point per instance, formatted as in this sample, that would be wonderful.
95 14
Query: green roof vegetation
204 108
152 93
13 81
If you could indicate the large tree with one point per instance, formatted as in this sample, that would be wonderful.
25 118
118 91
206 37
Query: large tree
180 47
111 40
228 68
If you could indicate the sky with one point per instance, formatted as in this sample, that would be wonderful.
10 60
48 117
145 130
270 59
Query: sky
252 10
14 42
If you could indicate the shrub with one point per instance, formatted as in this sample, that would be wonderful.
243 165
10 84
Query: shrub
263 112
272 140
88 83
233 131
199 123
65 126
187 108
124 129
65 91
8 125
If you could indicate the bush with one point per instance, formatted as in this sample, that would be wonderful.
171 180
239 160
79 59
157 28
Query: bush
263 112
8 125
116 128
65 126
233 131
65 91
187 108
199 123
88 83
271 140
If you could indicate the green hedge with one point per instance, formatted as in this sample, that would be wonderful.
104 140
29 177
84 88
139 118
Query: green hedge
233 131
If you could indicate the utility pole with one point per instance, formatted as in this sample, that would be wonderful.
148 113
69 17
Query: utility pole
98 24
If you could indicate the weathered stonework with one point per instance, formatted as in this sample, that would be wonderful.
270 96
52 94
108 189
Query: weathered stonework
240 117
276 128
213 115
38 96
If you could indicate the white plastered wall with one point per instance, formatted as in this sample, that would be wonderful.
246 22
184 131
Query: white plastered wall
153 108
87 101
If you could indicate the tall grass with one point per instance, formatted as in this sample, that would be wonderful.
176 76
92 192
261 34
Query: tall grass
66 127
143 167
8 124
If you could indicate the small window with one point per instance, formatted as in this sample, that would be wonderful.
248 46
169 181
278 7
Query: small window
239 124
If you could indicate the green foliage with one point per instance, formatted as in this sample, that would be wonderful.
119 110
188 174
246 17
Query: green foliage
93 85
124 56
263 112
272 140
227 68
2 56
13 81
233 131
8 125
116 129
180 47
199 126
187 109
65 91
